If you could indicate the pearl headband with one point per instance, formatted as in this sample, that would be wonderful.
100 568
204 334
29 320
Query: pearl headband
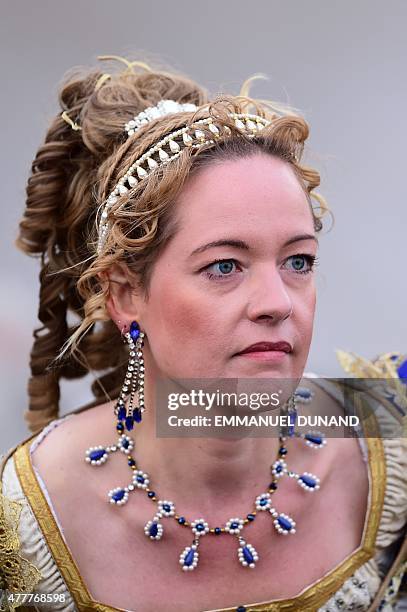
169 148
164 107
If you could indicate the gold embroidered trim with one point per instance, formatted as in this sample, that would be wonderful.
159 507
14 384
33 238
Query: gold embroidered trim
311 599
17 575
56 544
385 366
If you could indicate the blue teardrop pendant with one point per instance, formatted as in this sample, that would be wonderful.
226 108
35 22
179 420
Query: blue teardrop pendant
189 557
284 524
308 481
247 554
134 330
303 395
96 455
118 496
154 530
129 423
137 415
121 414
315 439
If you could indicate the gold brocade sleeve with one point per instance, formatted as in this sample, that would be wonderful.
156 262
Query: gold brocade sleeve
17 575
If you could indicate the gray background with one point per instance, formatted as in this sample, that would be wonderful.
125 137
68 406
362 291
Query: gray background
342 63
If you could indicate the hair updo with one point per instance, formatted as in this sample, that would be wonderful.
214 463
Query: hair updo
73 173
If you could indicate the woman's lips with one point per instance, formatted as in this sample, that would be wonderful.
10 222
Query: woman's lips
265 355
267 351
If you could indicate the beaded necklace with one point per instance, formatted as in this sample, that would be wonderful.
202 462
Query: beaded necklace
246 553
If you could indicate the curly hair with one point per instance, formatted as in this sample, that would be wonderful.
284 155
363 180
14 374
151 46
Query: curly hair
73 173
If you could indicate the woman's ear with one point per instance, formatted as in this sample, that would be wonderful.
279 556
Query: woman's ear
124 299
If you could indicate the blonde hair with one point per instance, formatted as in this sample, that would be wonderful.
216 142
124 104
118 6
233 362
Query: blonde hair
84 153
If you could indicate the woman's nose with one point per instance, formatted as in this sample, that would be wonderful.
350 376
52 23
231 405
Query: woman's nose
268 297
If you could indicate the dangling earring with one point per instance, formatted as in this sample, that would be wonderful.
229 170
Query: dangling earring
314 439
292 414
134 380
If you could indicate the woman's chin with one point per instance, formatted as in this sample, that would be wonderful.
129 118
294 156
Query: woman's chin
265 369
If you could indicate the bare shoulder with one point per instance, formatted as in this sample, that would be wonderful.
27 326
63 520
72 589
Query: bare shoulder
58 452
71 486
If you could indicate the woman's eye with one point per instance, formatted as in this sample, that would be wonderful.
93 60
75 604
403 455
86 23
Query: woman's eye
221 268
301 263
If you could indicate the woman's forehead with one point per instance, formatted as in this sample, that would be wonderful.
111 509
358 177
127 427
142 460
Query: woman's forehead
255 194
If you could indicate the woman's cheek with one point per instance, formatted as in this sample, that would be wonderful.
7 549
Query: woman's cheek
184 332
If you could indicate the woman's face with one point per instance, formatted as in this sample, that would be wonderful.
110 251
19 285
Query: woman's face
238 272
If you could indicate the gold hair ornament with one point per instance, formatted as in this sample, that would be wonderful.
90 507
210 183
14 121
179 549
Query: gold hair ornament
129 65
118 58
105 77
102 79
168 149
69 121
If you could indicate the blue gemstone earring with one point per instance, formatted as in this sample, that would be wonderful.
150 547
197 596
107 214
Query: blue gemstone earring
313 439
134 380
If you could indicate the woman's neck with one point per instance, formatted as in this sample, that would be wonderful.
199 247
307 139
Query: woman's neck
212 476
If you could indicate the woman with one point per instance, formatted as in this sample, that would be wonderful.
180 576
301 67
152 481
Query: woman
182 235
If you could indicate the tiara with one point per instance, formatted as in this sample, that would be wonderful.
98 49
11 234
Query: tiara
164 107
168 149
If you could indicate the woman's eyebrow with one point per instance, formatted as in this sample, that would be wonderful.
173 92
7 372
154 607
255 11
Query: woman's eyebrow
237 244
301 237
240 244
